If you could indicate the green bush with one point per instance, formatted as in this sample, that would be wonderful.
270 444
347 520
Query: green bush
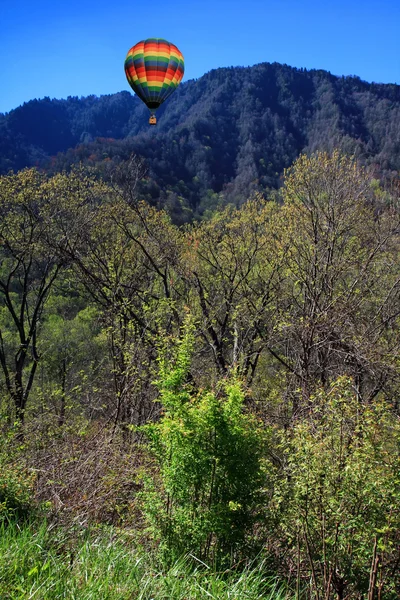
16 491
339 504
204 494
16 481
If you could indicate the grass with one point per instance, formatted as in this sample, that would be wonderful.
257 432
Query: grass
41 563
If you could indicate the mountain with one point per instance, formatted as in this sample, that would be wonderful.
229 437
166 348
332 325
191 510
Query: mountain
218 138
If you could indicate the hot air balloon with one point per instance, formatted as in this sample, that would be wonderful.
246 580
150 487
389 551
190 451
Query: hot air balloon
154 68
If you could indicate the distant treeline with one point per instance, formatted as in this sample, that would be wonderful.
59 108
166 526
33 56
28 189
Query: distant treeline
231 132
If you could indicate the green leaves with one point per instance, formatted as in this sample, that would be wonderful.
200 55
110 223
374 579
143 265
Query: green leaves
342 492
208 451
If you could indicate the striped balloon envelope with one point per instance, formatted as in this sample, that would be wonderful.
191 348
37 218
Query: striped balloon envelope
154 68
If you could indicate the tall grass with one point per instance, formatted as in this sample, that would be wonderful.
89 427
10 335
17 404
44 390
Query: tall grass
40 563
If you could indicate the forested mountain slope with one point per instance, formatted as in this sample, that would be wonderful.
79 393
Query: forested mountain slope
230 132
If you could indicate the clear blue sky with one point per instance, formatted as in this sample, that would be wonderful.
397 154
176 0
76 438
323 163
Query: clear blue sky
65 48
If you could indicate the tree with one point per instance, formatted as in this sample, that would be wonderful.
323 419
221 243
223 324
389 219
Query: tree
124 253
233 270
340 303
75 362
30 265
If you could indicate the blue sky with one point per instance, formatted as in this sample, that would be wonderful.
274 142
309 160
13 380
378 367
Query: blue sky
77 47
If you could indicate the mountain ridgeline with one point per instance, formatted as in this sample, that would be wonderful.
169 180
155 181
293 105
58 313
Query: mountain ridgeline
218 138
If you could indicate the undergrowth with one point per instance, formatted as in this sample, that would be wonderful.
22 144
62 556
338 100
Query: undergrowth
43 563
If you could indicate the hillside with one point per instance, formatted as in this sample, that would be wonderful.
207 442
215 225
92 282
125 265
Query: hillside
230 132
224 394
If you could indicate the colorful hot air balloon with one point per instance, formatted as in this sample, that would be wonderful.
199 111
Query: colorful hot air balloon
154 68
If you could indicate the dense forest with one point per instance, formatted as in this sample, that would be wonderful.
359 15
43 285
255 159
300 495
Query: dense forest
218 139
207 409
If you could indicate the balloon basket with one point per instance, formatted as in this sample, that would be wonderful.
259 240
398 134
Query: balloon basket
152 120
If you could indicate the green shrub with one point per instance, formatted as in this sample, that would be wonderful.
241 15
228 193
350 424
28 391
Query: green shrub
16 481
339 504
16 491
204 494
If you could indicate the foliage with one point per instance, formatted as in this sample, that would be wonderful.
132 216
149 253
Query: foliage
341 252
294 330
73 357
204 497
33 230
233 270
17 483
340 496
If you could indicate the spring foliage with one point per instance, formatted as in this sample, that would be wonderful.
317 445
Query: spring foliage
339 503
206 493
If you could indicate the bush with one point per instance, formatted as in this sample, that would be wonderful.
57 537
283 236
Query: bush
204 494
16 490
339 504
